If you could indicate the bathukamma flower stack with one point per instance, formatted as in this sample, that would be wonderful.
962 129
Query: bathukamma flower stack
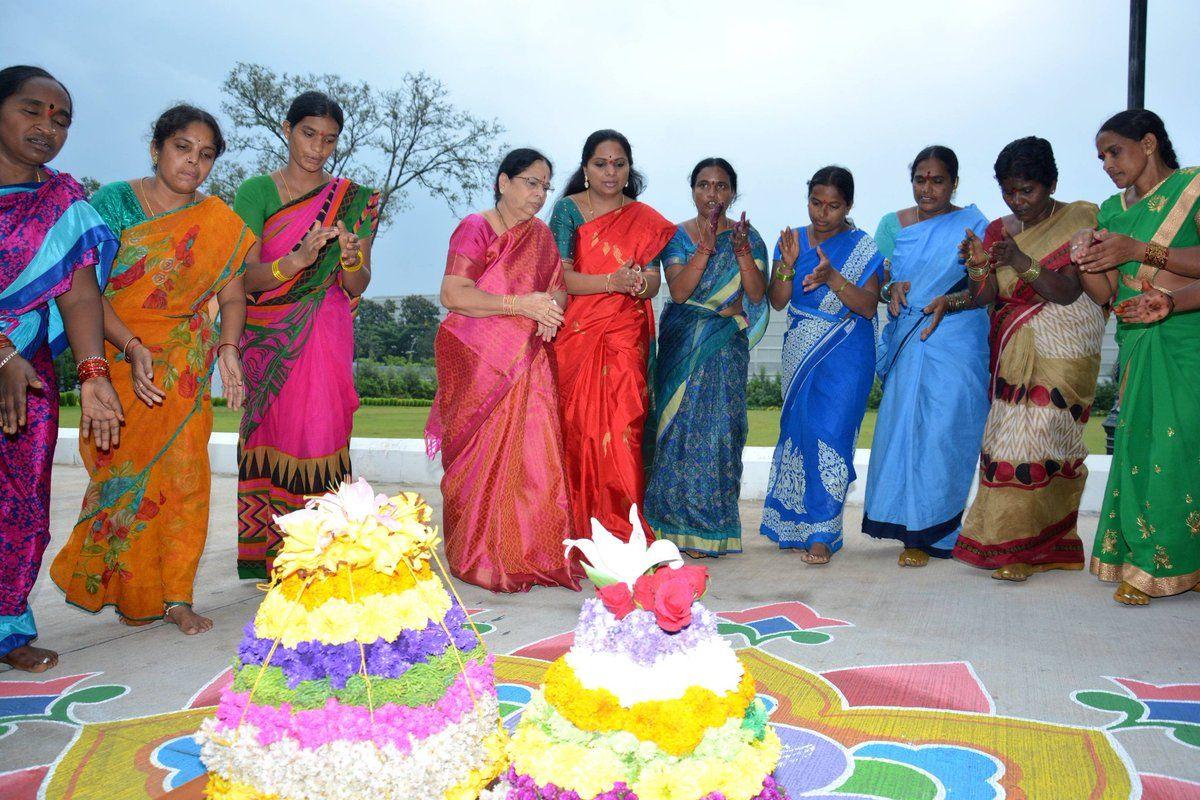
360 676
650 702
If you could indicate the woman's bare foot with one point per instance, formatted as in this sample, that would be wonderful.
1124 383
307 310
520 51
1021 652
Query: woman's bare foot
1131 595
912 557
187 620
1021 572
817 554
135 623
697 554
30 659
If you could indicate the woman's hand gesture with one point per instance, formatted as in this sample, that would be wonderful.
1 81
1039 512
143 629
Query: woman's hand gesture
141 364
1152 305
822 274
229 362
1006 251
627 280
707 231
789 247
350 244
16 379
541 308
1109 251
313 243
899 297
741 234
971 251
100 414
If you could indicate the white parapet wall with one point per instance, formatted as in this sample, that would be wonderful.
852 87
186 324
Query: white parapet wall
404 461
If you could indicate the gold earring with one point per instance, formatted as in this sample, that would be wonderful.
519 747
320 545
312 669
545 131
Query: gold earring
154 159
586 185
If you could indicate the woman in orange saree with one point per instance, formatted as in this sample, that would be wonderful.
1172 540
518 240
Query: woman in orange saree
610 245
495 418
144 521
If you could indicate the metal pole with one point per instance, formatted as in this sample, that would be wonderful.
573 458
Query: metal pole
1137 53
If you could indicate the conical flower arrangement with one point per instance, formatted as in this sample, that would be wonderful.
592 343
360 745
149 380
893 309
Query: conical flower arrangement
651 702
360 676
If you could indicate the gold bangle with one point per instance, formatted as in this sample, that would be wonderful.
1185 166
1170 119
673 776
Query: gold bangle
1157 255
279 276
356 266
1032 274
783 273
838 291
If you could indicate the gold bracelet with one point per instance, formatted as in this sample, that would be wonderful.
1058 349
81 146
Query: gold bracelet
1157 255
783 273
1032 274
356 266
279 276
838 291
978 274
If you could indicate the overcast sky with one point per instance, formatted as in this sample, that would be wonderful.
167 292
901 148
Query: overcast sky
778 88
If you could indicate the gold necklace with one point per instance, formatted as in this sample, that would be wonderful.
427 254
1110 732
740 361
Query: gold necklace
286 188
502 219
1053 209
150 206
591 209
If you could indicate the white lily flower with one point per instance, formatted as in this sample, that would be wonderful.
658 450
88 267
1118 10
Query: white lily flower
354 502
609 560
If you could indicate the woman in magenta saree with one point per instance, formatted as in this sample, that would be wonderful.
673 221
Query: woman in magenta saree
298 348
495 417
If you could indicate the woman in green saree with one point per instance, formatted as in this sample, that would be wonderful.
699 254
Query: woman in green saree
1148 241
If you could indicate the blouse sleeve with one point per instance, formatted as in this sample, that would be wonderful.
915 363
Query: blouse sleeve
468 247
558 282
564 221
677 250
250 204
112 203
885 234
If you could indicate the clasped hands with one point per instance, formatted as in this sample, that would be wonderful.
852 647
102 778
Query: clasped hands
1102 251
542 308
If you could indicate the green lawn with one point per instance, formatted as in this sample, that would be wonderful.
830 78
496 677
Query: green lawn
397 422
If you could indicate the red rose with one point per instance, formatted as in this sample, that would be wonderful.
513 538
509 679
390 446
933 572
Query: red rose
187 384
695 575
673 605
617 599
644 589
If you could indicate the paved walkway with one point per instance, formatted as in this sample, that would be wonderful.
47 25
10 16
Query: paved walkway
1028 647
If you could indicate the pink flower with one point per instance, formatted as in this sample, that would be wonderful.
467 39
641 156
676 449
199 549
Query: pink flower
669 593
617 599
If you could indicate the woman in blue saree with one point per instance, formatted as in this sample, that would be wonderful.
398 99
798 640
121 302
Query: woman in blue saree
933 362
716 271
828 367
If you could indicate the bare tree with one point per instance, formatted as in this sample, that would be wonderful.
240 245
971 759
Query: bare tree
392 139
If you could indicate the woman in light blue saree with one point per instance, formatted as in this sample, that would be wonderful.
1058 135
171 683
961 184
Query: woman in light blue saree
716 271
828 367
933 362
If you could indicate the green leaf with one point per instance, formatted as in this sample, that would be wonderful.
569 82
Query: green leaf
600 579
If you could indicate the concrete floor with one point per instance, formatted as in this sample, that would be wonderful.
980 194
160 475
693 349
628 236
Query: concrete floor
1031 645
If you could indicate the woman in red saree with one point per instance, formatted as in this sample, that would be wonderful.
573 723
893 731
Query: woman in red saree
609 244
298 348
495 417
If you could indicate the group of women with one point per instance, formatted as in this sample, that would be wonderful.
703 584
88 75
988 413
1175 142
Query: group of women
154 285
558 404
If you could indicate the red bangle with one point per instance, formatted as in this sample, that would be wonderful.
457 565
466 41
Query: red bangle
94 367
6 342
230 344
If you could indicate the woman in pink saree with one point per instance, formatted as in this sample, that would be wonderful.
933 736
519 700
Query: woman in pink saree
298 348
495 418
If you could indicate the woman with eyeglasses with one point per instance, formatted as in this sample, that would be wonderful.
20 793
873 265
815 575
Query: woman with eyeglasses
495 417
610 245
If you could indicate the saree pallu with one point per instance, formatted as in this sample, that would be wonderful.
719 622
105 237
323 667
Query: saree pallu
828 370
495 419
298 355
144 520
602 352
1149 530
697 425
48 232
1044 363
935 404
